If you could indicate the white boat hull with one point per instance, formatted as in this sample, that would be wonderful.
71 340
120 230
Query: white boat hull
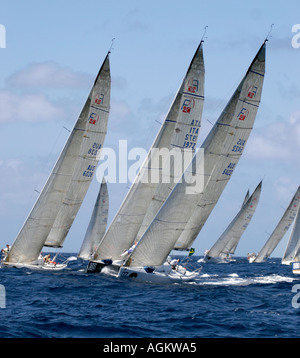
285 262
251 258
216 260
37 266
162 274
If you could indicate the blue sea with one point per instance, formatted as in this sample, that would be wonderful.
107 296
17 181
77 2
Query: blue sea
235 300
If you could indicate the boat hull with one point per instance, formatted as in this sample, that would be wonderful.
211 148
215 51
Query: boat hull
216 260
161 274
104 266
44 266
157 276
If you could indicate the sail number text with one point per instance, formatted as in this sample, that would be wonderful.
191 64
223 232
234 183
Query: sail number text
94 149
238 148
229 169
89 171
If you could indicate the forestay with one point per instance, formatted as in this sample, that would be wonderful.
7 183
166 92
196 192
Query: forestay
179 130
281 229
230 238
225 145
58 203
97 225
222 150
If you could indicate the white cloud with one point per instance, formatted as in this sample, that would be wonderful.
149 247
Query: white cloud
279 141
284 188
48 75
27 107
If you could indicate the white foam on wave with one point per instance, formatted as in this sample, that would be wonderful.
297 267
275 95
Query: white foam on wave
234 280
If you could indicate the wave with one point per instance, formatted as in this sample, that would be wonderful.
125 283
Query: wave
234 280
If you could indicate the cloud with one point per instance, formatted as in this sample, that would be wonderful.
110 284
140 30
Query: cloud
27 107
284 188
48 75
278 141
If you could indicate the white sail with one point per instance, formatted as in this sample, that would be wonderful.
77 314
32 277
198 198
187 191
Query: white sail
292 250
222 150
182 120
97 225
246 198
280 230
58 203
230 238
225 145
183 144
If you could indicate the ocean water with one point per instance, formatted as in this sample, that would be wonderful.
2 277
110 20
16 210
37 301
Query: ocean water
229 300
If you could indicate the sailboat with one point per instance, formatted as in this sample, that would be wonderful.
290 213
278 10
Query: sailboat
280 230
292 254
147 258
179 134
97 225
222 150
292 251
59 201
226 245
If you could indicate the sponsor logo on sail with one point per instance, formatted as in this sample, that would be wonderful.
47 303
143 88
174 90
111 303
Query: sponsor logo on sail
243 114
252 92
99 98
188 105
193 85
93 118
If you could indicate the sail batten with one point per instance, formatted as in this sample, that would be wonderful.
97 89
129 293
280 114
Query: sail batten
48 213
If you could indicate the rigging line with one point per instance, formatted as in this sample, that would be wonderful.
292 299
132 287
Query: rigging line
111 46
203 36
268 36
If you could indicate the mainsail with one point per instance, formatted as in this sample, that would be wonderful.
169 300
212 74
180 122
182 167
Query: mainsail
222 151
225 145
97 225
230 238
58 203
179 130
281 229
293 247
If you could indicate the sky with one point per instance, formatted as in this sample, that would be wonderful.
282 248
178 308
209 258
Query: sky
53 51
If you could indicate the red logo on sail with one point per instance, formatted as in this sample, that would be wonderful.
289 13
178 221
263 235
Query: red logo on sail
93 119
243 114
193 86
187 105
99 98
252 91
